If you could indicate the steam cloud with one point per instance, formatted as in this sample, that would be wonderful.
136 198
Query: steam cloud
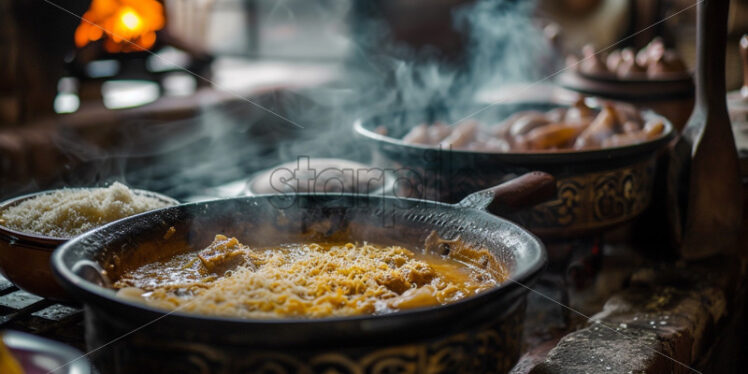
502 45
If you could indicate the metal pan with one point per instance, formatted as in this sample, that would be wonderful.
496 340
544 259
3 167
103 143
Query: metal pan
477 334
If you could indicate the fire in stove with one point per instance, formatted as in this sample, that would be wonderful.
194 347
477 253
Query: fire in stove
124 25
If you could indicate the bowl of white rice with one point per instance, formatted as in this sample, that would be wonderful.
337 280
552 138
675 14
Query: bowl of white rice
34 225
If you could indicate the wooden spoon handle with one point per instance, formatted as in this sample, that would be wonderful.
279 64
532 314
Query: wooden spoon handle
744 55
521 192
711 44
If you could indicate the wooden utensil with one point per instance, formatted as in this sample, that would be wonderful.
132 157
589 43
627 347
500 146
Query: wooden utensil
737 106
744 55
703 181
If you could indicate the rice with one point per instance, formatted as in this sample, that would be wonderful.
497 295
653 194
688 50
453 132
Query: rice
69 212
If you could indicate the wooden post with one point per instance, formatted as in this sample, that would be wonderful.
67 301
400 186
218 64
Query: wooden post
39 36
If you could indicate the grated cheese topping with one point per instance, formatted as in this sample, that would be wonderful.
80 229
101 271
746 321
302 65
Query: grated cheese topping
69 212
302 280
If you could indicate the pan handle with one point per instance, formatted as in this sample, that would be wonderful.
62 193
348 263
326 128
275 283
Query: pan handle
522 192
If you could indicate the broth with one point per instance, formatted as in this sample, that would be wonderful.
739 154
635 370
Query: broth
308 280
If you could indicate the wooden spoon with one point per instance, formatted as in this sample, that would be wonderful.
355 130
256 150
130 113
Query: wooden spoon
703 180
744 55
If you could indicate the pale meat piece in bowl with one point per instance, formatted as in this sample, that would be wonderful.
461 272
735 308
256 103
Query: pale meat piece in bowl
653 62
576 128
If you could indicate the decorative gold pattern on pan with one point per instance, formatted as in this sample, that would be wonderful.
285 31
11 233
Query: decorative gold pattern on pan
490 349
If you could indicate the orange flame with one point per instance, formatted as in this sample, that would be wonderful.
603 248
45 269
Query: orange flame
127 25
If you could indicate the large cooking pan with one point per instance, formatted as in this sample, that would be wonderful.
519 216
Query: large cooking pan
477 334
597 189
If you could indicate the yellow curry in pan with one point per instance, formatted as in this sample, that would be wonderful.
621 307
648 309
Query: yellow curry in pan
309 280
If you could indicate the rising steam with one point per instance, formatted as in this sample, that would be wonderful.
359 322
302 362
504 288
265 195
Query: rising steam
502 45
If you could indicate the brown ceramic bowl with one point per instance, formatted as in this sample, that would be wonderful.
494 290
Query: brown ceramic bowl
24 257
